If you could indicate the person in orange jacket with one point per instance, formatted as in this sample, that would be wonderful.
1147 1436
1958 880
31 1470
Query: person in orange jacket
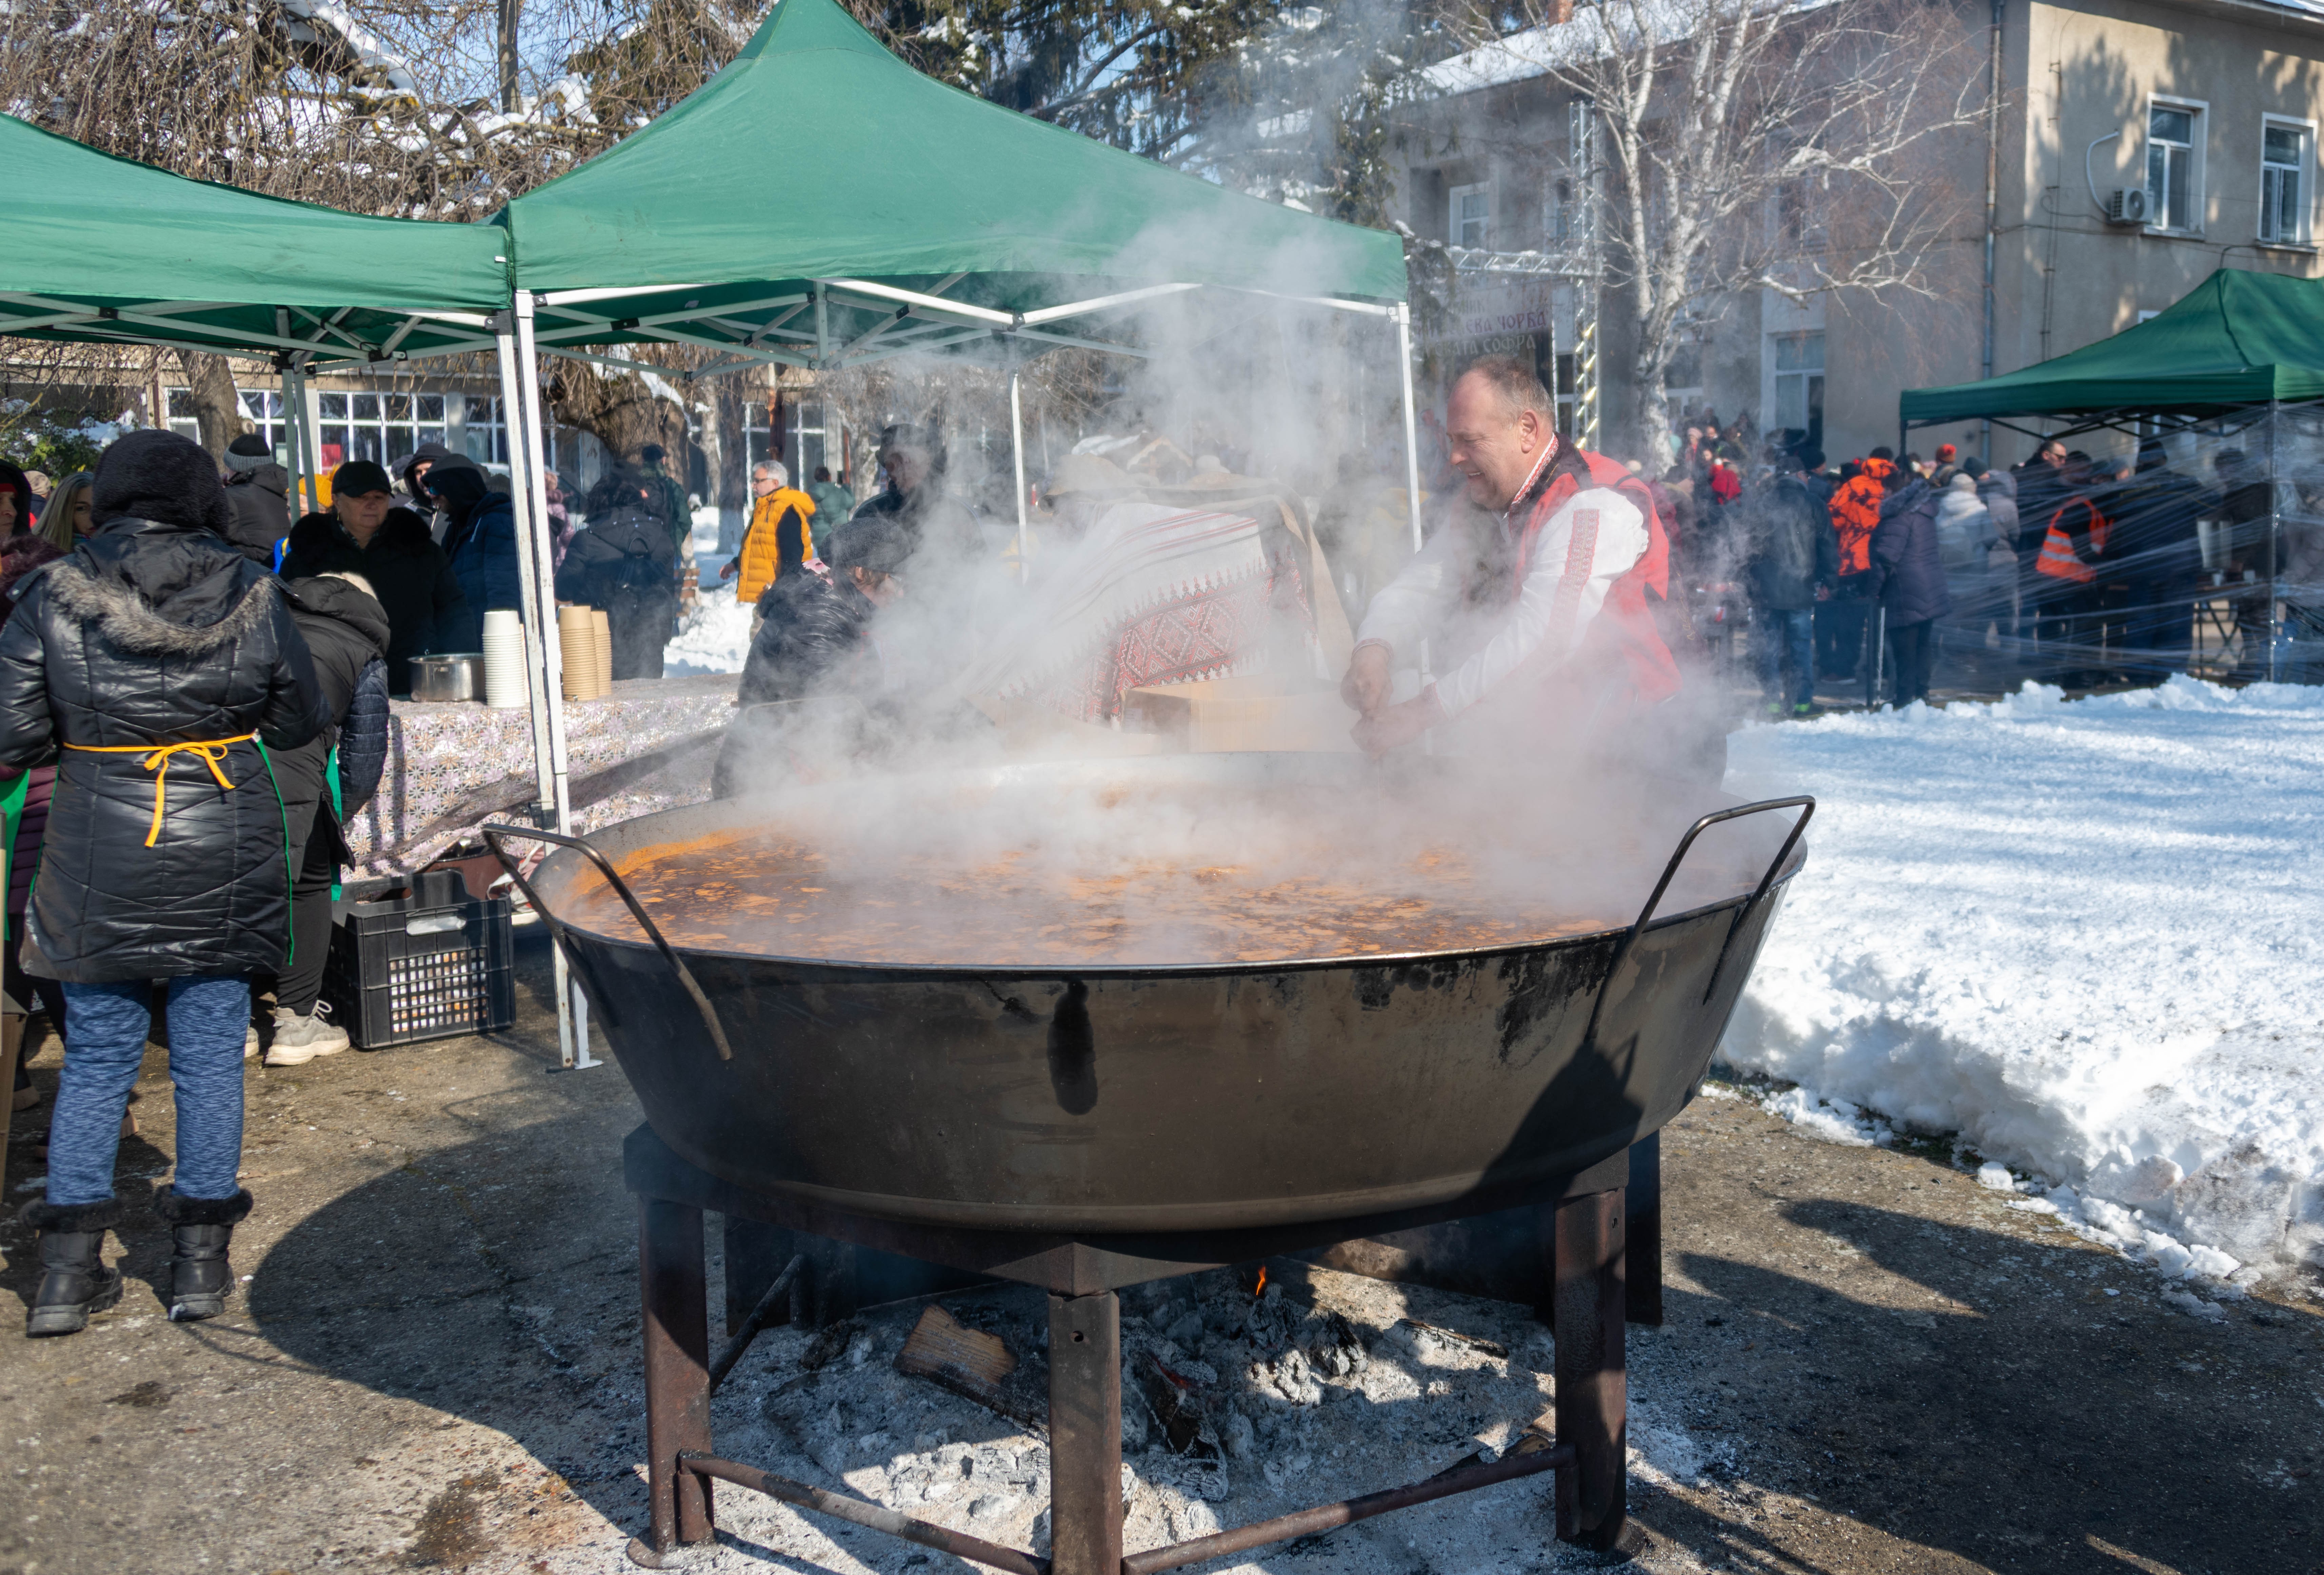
780 538
2066 574
1855 515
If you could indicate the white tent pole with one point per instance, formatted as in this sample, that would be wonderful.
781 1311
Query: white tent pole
1017 448
1411 457
302 434
572 1006
533 598
524 484
298 487
544 551
1411 419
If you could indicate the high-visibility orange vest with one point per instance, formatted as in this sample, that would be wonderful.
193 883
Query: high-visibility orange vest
1855 514
2059 559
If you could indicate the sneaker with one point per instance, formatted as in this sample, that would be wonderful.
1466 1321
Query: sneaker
300 1039
1804 709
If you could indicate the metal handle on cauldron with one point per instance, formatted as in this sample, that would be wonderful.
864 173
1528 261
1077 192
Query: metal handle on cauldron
1805 804
493 833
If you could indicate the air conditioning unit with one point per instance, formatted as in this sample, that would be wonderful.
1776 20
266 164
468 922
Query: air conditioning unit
2126 206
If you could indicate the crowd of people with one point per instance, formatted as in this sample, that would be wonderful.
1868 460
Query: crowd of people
194 701
2089 570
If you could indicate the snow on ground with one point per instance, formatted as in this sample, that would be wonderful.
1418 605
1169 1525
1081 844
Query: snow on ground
2087 935
715 636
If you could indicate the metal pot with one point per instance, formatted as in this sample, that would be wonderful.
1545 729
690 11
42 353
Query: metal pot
1119 1098
459 677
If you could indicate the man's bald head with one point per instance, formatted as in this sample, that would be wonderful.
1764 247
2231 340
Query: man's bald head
1497 421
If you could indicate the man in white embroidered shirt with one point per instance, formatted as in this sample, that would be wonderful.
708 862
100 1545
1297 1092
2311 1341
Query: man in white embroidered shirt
1533 604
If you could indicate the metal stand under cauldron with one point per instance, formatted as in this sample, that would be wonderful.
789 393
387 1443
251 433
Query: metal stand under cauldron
1596 1265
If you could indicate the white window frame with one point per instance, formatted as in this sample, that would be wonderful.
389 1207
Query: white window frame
2305 239
1453 221
1806 375
2198 184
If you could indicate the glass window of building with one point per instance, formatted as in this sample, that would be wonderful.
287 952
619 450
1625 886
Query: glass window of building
2283 183
1472 216
1799 385
2172 199
382 427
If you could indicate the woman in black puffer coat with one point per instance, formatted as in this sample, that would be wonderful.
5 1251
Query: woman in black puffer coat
159 659
1912 592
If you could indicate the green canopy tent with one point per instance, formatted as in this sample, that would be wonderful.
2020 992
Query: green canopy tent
2239 357
821 204
908 214
108 251
2238 340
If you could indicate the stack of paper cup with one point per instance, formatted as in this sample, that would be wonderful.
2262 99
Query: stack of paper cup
576 641
604 651
504 685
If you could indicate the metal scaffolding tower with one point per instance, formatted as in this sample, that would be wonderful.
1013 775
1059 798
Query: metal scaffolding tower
1575 259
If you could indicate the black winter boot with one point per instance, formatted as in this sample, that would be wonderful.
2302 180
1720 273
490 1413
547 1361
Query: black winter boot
75 1284
200 1275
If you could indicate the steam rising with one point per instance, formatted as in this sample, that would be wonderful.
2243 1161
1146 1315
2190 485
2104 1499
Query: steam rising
937 811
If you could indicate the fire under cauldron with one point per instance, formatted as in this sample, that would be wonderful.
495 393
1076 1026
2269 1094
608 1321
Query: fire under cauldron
1097 1125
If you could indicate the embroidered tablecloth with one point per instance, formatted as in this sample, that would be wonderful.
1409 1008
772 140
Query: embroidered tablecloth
647 746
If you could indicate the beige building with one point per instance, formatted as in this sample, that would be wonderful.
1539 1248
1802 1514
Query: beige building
2142 143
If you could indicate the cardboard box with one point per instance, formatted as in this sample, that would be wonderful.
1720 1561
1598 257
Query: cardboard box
1222 715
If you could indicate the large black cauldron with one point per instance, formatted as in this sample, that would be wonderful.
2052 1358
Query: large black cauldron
1218 1097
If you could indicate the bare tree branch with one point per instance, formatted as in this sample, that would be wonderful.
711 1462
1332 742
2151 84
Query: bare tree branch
1756 144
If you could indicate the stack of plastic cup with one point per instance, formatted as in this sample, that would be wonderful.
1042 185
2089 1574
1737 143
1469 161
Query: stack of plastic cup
504 684
577 641
605 642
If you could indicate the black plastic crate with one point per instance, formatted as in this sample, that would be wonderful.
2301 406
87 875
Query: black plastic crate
426 966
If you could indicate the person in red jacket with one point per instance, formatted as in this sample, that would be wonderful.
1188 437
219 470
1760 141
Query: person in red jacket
1534 608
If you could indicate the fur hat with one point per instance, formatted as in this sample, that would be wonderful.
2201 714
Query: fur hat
153 474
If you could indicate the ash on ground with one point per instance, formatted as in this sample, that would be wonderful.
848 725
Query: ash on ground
1236 1405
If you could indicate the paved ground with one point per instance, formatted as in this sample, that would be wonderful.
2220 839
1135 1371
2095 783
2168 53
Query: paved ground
1871 1363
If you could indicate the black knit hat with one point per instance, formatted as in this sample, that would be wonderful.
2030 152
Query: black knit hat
248 453
358 476
155 474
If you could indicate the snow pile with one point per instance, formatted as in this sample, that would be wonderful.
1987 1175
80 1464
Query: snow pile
2084 935
714 638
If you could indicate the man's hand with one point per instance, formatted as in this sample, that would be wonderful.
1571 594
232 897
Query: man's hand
729 572
1366 687
1397 726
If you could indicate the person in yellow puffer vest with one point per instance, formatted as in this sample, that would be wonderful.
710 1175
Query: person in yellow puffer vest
778 539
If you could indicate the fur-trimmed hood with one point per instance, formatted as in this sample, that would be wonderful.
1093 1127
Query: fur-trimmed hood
162 590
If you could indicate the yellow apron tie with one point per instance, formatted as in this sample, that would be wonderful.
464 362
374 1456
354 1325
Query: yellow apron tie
210 751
